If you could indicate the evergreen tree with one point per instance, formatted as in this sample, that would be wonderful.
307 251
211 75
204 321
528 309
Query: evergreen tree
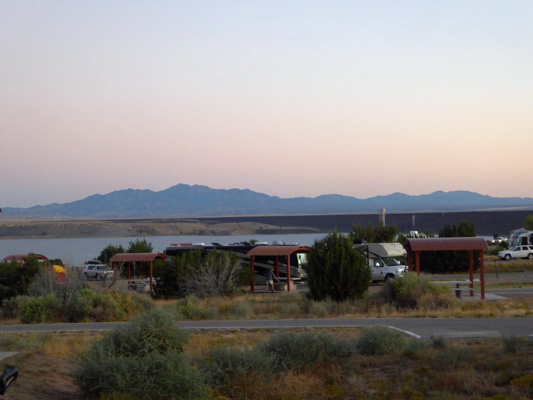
336 270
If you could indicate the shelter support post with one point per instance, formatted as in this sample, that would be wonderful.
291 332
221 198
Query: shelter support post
482 275
288 273
253 273
129 272
417 255
276 267
151 278
471 263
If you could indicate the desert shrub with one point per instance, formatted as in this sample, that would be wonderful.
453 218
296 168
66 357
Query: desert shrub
11 306
318 309
336 270
511 343
243 309
412 291
16 278
39 309
301 351
216 274
224 365
452 357
191 309
380 341
415 349
94 305
524 386
144 360
46 282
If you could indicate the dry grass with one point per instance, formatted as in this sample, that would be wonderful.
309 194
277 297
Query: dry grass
462 370
296 305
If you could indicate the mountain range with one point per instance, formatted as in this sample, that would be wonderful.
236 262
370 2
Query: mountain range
195 200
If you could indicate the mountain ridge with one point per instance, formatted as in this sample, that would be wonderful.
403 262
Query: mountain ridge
184 200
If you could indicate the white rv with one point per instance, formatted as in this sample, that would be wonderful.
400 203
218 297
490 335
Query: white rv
382 259
521 237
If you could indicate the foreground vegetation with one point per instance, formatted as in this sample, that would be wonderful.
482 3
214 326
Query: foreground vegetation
153 360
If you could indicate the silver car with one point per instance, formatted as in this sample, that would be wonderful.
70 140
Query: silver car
517 252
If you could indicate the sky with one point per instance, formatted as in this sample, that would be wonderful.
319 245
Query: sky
287 98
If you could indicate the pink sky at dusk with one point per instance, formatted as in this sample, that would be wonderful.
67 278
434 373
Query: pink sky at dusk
285 98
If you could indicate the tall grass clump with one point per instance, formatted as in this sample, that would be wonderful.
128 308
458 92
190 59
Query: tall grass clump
302 351
417 292
373 341
224 365
143 360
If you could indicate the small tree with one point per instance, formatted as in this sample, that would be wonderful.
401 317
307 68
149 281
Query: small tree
336 270
451 261
528 223
140 246
110 251
375 234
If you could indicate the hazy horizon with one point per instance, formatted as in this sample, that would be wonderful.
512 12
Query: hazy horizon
290 99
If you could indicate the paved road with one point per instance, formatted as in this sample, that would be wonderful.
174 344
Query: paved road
424 328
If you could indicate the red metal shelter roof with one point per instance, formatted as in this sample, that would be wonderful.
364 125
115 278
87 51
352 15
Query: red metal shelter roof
447 244
277 250
20 257
136 257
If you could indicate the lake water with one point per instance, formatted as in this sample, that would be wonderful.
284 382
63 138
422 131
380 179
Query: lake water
78 250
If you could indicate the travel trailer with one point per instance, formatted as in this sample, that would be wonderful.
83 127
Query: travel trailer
521 237
383 260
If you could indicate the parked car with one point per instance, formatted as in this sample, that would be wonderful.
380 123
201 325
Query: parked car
517 252
97 271
498 240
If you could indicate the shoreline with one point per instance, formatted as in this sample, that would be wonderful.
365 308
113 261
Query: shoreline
26 229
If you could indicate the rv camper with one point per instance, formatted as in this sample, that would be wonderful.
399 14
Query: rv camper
521 237
383 260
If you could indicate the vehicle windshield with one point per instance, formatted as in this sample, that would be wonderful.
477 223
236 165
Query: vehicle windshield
390 261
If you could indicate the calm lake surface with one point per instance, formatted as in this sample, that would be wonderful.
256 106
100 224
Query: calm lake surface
78 250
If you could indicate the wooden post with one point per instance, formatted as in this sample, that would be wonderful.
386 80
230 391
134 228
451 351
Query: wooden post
417 255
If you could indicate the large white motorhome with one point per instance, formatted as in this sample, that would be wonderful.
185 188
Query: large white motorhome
382 260
521 237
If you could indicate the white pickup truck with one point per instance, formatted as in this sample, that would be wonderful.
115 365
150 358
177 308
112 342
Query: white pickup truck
382 260
97 271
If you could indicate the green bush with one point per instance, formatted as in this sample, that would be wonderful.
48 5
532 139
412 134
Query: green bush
39 309
452 358
224 365
336 270
380 341
94 305
412 291
143 360
302 351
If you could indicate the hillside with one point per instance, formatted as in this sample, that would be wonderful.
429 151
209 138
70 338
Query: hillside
194 201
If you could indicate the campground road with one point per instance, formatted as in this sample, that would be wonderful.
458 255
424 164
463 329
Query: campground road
425 328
